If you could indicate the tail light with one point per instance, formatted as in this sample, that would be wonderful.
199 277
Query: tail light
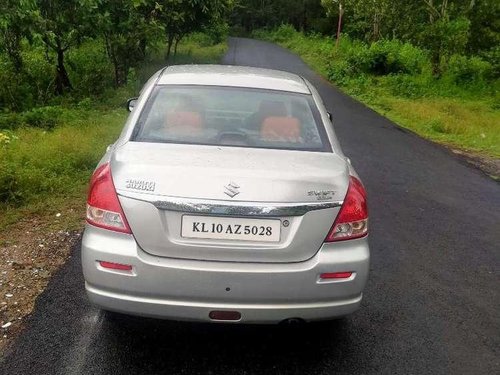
352 220
103 207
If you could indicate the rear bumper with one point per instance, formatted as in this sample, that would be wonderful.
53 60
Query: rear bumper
197 311
190 289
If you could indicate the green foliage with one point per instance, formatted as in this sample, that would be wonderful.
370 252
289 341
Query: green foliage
10 121
217 32
127 28
379 58
464 70
493 57
16 18
49 152
47 47
43 117
459 108
392 56
250 15
485 26
441 27
444 38
61 24
284 32
42 163
180 18
90 70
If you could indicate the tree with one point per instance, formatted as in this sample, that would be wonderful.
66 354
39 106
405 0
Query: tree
370 20
331 8
178 18
484 26
444 36
127 26
61 25
16 17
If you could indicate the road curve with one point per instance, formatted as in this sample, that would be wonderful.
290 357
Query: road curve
431 305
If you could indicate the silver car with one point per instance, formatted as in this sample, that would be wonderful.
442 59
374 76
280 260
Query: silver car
226 198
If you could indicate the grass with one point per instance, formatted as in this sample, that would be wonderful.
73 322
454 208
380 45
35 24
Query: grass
465 124
465 117
44 173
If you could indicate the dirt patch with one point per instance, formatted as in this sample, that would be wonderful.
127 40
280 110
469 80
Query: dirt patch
29 254
489 165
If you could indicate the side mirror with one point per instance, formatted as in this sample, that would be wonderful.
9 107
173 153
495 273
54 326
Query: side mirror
131 103
329 116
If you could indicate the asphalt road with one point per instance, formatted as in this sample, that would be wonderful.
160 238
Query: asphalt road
431 305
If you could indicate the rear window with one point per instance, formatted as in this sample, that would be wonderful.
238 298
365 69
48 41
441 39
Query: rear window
228 116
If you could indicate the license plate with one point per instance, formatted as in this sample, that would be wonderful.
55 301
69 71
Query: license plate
231 228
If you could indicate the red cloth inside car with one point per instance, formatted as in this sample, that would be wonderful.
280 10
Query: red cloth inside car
280 128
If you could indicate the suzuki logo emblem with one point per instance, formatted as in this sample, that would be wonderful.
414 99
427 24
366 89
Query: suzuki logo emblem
231 189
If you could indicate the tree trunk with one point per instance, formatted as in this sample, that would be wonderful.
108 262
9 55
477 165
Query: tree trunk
431 15
376 27
303 25
169 46
436 64
339 27
17 60
117 73
13 49
120 70
142 47
177 40
62 79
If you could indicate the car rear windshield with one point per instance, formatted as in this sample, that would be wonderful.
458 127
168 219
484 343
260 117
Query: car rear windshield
228 116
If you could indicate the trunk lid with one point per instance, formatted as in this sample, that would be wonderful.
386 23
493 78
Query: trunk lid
159 183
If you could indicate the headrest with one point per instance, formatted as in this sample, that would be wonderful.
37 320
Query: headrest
279 128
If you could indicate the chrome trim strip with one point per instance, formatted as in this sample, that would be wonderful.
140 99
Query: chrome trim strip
200 206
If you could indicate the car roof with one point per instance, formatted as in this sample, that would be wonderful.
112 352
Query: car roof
232 76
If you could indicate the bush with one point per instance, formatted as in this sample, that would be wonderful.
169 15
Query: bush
10 121
39 75
9 191
38 164
385 57
16 93
217 32
90 71
284 33
493 57
201 39
43 117
413 59
340 71
464 70
408 86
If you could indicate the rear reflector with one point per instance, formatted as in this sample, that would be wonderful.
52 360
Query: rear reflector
224 315
335 275
115 266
